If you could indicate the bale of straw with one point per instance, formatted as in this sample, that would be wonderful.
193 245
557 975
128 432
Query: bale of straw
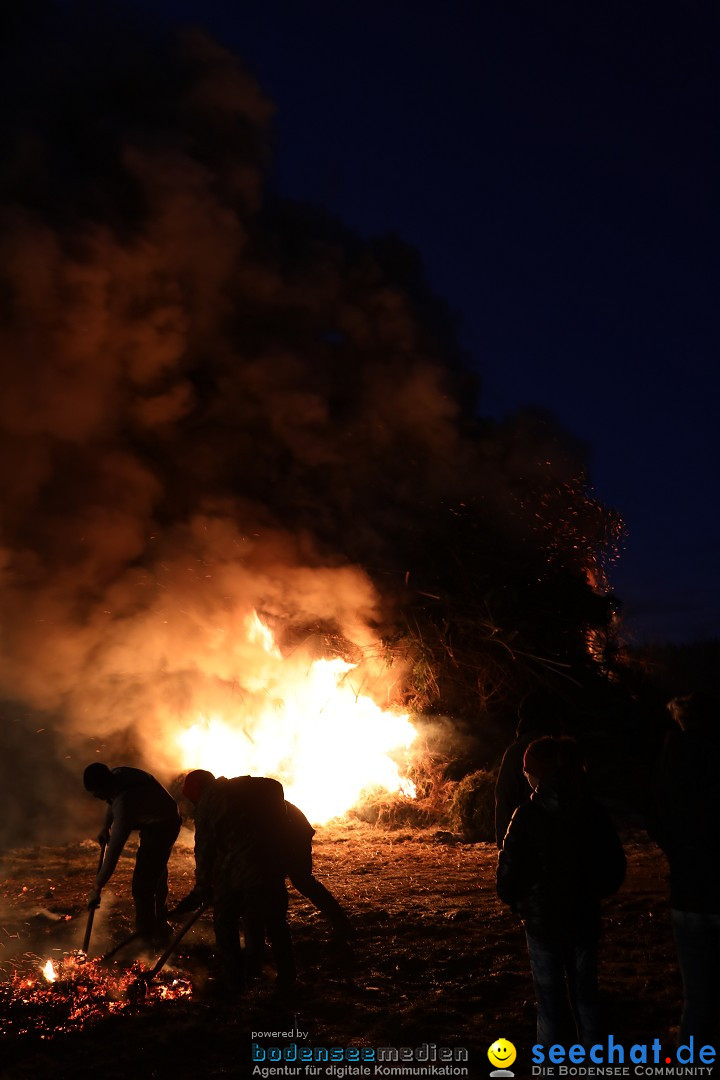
472 806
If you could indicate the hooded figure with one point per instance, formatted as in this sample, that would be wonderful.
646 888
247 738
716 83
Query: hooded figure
136 800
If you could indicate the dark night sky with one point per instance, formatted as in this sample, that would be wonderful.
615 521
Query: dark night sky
556 165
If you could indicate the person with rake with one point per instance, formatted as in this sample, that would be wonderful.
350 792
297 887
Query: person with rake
136 801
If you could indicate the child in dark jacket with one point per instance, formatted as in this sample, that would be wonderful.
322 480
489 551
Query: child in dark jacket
561 855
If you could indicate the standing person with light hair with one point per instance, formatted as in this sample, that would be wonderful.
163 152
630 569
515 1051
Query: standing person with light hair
136 801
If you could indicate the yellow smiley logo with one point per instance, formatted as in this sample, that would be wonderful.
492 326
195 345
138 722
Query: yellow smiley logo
502 1053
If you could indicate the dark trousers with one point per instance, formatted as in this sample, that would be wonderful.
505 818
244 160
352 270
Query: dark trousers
308 885
262 911
566 990
697 940
150 878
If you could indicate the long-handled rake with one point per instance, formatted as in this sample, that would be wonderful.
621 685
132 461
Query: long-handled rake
106 957
129 940
141 983
91 913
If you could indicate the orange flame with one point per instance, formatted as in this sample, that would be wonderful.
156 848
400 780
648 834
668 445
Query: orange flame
49 972
316 732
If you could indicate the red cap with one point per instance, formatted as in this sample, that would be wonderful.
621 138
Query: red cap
195 783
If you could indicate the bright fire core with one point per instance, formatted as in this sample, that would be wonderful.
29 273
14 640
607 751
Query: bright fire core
328 743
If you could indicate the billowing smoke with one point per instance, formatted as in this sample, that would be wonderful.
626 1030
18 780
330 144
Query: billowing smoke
212 402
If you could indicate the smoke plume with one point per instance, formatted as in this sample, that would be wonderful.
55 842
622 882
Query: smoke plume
213 402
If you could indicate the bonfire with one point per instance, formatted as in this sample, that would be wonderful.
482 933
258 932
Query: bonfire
65 995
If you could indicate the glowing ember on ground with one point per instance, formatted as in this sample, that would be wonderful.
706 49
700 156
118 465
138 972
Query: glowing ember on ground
313 728
75 992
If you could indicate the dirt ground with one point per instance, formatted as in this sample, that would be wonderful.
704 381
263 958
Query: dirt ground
437 960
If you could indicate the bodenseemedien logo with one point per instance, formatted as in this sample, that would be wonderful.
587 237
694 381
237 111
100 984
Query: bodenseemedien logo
501 1054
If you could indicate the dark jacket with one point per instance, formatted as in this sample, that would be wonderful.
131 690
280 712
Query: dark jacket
685 819
561 855
137 801
298 843
240 827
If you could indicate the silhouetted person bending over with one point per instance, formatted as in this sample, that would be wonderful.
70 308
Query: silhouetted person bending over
300 871
136 801
240 827
297 858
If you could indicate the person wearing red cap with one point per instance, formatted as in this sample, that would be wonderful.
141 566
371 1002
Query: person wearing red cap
195 783
297 849
561 854
136 800
240 827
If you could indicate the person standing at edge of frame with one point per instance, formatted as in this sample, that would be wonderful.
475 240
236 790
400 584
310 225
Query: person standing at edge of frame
684 820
